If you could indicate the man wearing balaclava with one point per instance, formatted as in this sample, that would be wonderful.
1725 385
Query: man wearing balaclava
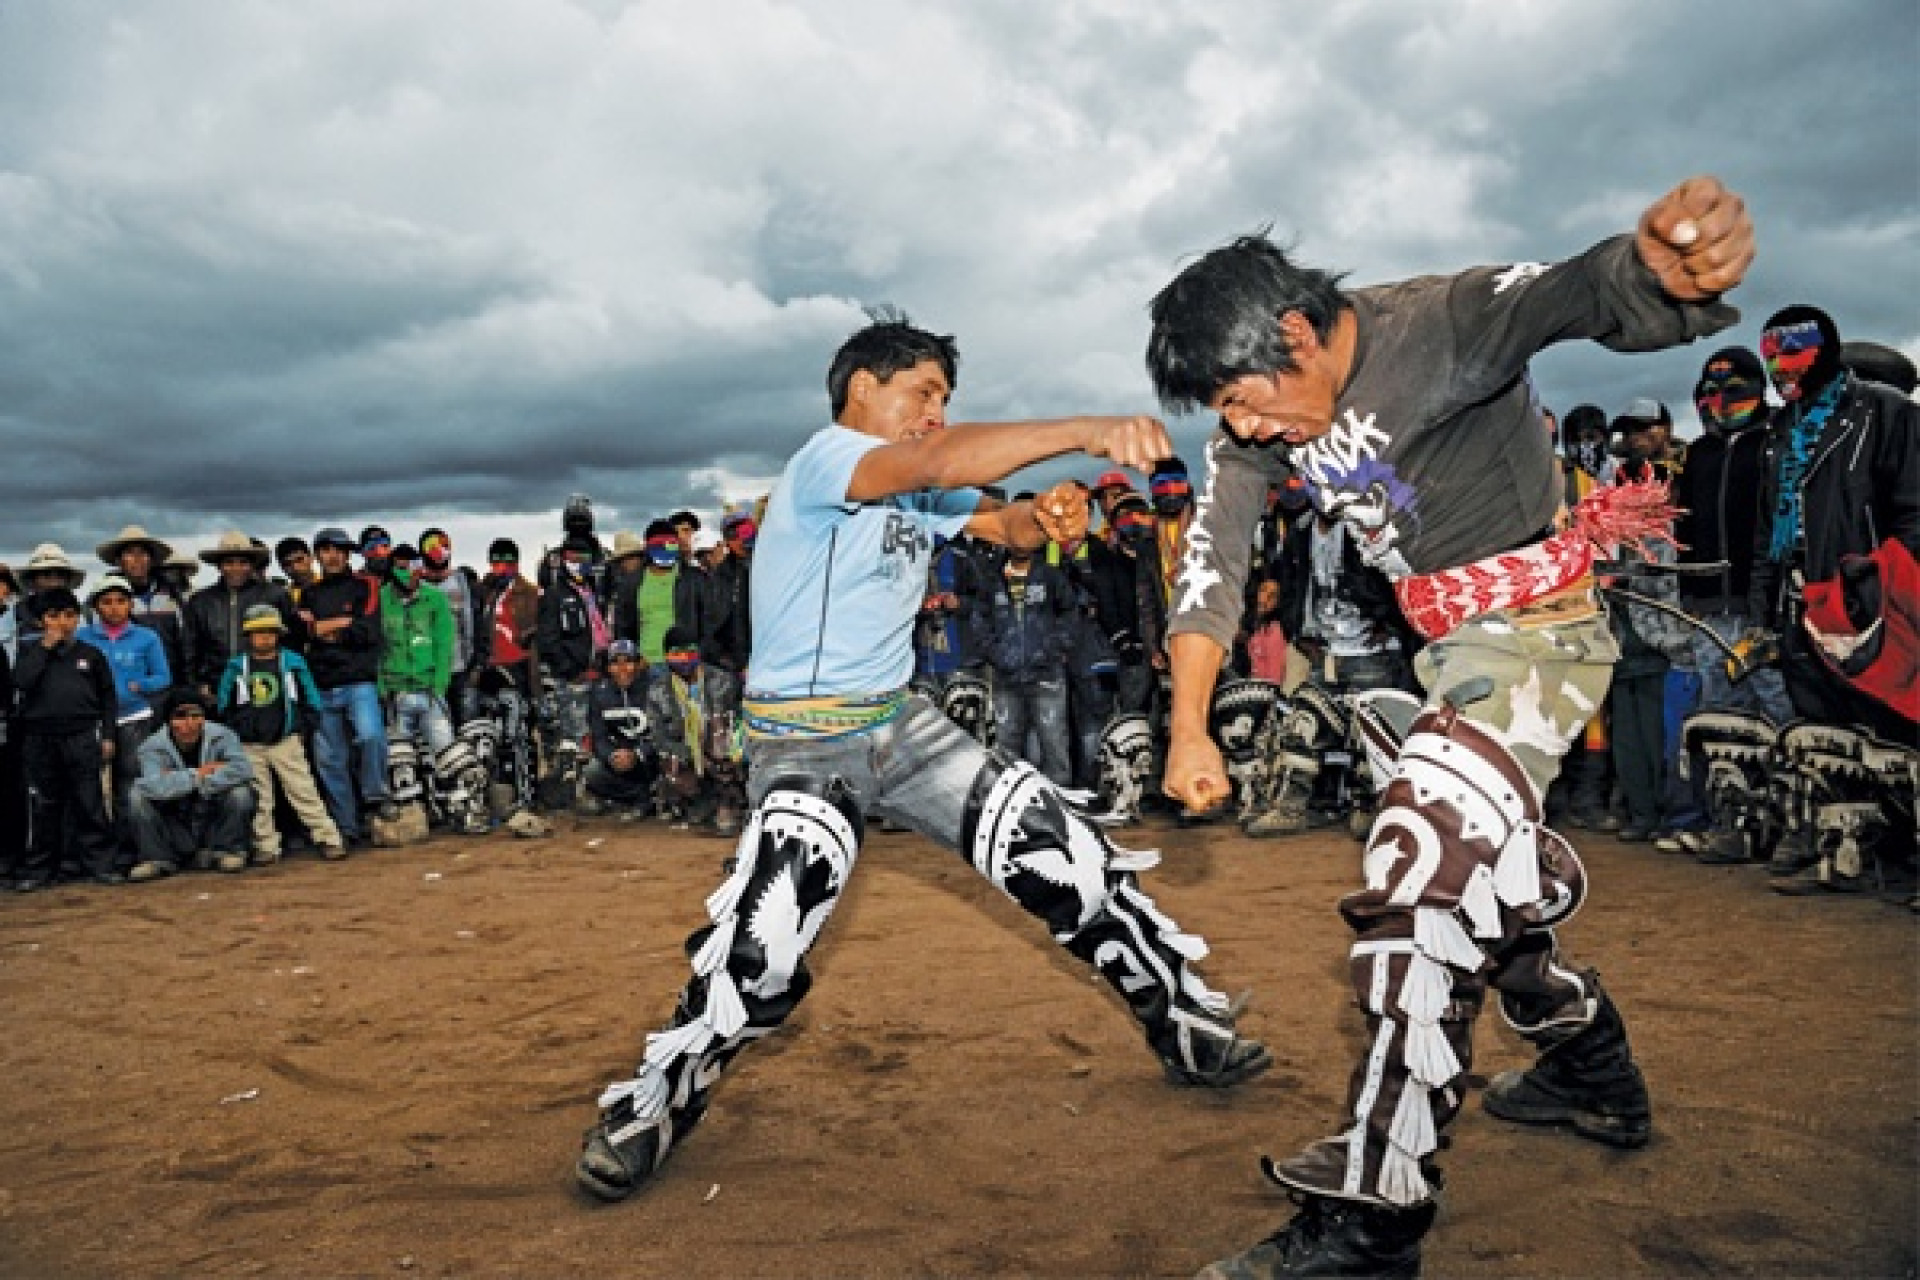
1585 461
1171 492
1843 480
1716 495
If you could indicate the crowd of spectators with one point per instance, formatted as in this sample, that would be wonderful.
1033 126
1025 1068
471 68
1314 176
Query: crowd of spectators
297 699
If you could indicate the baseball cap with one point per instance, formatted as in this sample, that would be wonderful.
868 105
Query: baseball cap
1112 480
622 649
334 536
1646 409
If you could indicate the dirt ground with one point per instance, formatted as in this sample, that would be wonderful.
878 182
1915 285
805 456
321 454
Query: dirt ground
384 1066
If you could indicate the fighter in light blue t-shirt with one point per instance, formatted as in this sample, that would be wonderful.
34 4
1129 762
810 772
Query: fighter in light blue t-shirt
837 583
839 571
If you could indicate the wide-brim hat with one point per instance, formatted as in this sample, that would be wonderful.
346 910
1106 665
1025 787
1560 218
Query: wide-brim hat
183 562
628 543
49 558
234 543
133 535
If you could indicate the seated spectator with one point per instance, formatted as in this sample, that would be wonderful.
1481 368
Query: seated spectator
65 714
268 698
416 662
140 678
624 766
702 756
194 798
137 555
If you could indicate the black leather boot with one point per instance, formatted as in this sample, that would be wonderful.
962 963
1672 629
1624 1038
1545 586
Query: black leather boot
1330 1237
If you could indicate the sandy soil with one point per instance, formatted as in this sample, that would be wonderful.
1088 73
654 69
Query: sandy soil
383 1067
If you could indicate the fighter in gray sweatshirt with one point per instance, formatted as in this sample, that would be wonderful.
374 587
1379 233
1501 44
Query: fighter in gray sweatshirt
1407 410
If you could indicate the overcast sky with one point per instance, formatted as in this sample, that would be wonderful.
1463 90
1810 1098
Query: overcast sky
271 265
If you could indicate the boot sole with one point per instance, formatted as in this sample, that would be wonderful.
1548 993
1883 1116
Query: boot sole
1609 1130
1219 1079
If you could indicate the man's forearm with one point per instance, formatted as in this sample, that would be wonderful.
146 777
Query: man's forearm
1195 659
978 453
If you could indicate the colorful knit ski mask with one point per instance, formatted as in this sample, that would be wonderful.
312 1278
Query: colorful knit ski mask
1801 347
1732 392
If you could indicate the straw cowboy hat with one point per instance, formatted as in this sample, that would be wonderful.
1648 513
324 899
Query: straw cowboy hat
627 543
49 558
182 562
234 543
131 536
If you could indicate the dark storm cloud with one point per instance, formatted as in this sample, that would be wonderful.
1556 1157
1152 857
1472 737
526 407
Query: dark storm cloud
273 267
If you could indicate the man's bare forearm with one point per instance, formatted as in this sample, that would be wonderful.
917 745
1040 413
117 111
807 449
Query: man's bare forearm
1196 660
977 453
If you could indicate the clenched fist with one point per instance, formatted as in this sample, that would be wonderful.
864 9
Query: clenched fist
1697 239
1062 513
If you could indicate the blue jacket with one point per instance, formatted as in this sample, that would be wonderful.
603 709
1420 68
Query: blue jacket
138 657
165 776
1031 640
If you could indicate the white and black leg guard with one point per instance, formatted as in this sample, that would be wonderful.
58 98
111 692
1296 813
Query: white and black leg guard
1842 793
1737 750
795 856
459 788
513 771
1237 721
1126 765
1033 842
1457 868
1311 726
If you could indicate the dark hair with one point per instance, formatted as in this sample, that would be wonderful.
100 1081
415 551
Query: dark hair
679 637
885 347
1581 419
659 529
679 518
1220 319
289 547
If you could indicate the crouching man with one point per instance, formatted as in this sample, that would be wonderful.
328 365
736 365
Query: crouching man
194 796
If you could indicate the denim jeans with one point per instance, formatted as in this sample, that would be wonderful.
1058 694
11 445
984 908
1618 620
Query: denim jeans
1764 691
350 720
1039 706
424 717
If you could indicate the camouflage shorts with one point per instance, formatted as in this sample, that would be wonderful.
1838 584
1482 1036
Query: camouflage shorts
1548 679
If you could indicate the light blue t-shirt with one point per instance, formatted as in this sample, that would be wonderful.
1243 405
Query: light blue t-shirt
837 584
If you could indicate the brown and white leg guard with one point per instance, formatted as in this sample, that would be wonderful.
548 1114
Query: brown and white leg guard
1457 867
